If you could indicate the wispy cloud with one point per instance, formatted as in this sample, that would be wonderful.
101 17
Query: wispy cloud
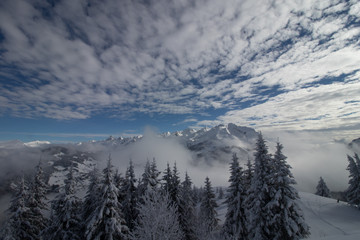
76 59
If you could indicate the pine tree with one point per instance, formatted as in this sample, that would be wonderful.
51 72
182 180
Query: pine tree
221 193
36 203
129 205
248 174
154 175
174 189
208 214
40 188
18 226
235 221
167 181
145 182
322 189
259 225
92 198
107 221
149 177
353 191
186 210
158 219
287 217
66 210
118 179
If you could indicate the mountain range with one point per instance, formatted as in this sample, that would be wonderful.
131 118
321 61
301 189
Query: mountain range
207 145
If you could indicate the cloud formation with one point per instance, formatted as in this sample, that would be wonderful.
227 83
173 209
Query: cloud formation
288 64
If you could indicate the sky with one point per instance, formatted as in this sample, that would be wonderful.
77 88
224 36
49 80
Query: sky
82 70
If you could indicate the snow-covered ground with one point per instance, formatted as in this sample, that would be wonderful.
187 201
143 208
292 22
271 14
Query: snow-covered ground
329 219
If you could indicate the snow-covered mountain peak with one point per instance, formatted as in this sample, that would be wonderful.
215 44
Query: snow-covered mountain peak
36 143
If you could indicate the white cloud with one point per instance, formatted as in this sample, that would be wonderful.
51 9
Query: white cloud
334 106
174 57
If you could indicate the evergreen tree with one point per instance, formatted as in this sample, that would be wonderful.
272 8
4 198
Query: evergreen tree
92 198
259 217
167 181
145 182
129 205
158 219
221 193
149 177
36 203
174 189
107 221
18 226
66 210
248 174
235 221
322 189
353 191
39 188
154 175
287 218
208 214
186 210
118 179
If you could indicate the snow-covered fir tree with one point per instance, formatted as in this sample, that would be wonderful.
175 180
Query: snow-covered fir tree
118 179
144 183
259 217
221 193
92 196
248 174
129 204
353 191
107 221
154 175
157 219
235 220
167 179
37 202
322 189
174 188
186 209
18 226
287 217
150 177
40 188
208 215
66 220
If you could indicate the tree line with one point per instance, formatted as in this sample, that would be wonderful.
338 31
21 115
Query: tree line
261 204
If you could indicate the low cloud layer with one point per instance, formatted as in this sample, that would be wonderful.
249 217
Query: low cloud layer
312 155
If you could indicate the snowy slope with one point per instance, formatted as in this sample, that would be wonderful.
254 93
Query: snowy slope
330 220
327 218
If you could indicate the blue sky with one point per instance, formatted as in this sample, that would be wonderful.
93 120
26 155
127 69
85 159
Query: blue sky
81 70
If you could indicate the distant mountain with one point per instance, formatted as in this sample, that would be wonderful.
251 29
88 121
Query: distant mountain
207 145
36 143
218 143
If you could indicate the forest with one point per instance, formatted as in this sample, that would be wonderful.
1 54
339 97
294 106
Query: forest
261 200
